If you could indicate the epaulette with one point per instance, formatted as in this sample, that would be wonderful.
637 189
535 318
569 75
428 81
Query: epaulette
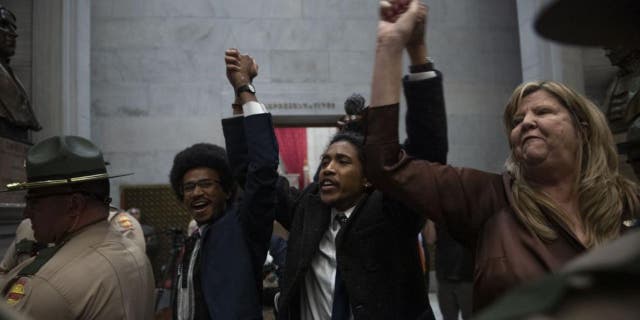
44 255
26 246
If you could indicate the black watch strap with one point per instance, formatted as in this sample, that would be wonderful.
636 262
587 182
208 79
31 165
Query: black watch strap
426 66
246 88
421 67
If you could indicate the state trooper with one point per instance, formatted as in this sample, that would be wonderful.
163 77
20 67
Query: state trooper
86 270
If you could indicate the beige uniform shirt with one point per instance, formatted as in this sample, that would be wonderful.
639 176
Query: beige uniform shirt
97 274
126 224
11 257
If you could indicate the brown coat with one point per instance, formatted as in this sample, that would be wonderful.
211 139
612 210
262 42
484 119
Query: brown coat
475 206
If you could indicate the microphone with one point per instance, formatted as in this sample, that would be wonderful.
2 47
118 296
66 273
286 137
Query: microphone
354 104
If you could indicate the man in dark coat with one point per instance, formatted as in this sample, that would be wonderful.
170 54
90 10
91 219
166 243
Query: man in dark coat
220 275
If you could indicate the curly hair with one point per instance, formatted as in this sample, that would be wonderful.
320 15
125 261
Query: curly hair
604 194
201 155
354 137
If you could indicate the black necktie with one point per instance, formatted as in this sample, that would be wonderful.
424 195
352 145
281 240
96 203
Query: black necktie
341 218
340 298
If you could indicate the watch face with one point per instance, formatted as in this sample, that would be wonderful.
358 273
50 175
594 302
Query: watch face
246 88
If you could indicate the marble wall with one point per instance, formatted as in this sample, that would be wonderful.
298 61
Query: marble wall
475 44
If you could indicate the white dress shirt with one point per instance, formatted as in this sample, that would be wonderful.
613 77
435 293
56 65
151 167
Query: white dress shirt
316 300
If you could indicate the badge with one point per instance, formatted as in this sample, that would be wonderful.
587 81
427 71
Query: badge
125 223
16 293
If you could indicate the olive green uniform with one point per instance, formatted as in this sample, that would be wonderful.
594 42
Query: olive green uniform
96 274
603 284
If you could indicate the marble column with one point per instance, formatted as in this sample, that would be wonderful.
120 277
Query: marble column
61 70
543 59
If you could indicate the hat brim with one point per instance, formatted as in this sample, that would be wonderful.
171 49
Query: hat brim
591 22
19 186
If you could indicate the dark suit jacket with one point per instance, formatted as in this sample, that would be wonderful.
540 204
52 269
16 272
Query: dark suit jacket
235 245
377 248
376 252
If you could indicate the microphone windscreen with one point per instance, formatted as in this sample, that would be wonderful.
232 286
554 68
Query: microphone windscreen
354 104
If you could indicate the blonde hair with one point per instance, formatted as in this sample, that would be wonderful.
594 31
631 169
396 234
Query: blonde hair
604 194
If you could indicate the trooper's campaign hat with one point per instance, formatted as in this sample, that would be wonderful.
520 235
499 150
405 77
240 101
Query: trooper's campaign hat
62 160
609 23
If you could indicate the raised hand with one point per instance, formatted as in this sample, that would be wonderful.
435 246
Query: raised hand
241 69
398 20
390 10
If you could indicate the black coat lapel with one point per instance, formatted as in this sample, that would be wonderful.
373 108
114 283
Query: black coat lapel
363 205
317 217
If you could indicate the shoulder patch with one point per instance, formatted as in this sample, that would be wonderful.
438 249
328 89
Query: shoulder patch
124 222
16 293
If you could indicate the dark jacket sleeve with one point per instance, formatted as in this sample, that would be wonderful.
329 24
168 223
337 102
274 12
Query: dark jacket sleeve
287 200
252 150
259 198
426 119
238 155
426 134
236 146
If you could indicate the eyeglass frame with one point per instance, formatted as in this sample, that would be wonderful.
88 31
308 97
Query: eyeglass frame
204 184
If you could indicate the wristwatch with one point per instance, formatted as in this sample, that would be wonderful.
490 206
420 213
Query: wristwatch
426 66
246 88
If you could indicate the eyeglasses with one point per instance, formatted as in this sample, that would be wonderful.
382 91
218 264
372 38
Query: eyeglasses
204 184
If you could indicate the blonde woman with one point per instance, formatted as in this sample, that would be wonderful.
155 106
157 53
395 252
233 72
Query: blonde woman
560 196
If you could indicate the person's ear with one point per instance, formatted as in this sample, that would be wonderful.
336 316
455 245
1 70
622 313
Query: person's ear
367 185
77 204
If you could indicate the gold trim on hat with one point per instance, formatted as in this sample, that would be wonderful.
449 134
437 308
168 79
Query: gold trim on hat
37 184
91 177
50 183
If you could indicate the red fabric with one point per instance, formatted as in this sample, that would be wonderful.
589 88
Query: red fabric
293 150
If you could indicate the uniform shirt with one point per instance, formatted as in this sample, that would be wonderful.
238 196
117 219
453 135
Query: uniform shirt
97 274
11 257
316 300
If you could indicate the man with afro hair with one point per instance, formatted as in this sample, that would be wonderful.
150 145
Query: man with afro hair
219 274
